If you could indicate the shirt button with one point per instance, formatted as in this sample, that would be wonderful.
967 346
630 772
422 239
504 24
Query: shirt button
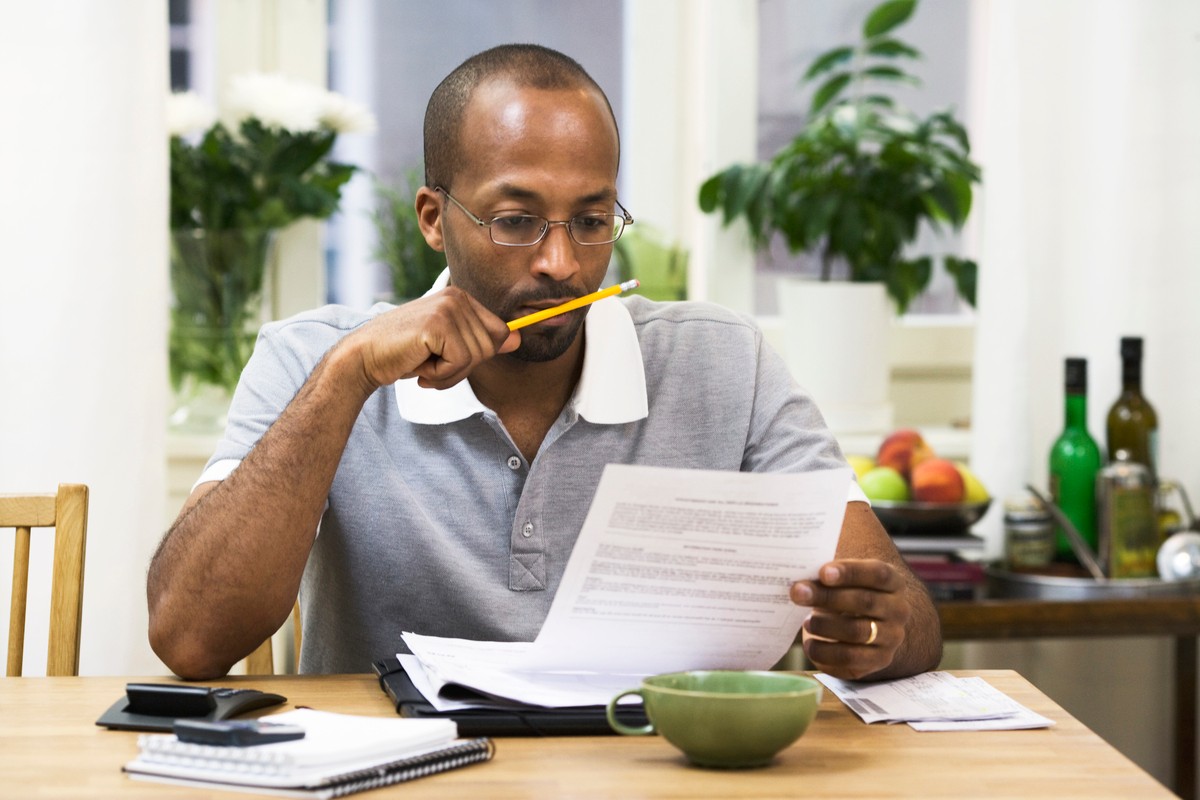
514 462
527 530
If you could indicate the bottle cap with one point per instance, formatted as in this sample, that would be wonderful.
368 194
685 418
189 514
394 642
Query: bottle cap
1076 374
1131 347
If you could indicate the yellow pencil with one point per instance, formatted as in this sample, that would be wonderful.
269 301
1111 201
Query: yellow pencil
571 305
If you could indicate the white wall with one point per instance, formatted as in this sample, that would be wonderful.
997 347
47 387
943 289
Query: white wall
1087 132
83 308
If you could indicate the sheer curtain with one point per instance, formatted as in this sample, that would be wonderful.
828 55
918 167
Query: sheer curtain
1088 129
1087 122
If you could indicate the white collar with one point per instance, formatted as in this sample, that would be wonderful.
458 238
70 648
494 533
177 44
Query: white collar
611 390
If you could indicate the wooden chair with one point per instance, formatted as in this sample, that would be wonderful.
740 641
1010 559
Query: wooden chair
262 660
66 512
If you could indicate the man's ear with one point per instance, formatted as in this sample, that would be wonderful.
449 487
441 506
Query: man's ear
429 217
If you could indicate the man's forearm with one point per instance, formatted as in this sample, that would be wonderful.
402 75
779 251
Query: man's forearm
226 574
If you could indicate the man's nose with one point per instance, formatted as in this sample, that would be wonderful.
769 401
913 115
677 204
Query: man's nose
557 255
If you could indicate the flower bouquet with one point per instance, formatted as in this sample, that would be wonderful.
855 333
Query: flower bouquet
235 181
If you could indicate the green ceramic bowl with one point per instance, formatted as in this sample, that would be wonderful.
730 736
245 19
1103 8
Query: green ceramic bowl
722 718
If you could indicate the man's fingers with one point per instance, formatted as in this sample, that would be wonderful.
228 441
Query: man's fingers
869 573
852 601
860 631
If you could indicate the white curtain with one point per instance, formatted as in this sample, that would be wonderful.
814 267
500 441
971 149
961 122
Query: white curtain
83 301
1086 119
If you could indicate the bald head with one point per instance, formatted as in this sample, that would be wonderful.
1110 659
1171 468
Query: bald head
523 65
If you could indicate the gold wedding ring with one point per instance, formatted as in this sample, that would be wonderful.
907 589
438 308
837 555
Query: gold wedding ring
874 633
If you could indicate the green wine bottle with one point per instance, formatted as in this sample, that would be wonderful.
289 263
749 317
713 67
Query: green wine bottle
1132 421
1074 462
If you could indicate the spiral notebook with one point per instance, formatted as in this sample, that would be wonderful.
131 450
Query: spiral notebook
340 754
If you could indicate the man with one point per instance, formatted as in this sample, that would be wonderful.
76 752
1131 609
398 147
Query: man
449 462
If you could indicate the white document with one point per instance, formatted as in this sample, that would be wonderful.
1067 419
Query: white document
455 677
674 569
684 569
1020 717
934 701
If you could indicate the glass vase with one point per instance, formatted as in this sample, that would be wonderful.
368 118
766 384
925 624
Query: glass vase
216 311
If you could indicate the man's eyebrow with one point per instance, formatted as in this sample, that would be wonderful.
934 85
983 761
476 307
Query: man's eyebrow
515 192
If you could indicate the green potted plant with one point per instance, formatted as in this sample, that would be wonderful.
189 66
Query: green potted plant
853 188
863 174
645 253
412 264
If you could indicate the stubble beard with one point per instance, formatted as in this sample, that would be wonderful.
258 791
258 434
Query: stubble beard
538 348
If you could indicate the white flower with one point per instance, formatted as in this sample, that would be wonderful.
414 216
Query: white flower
187 113
276 102
343 115
284 104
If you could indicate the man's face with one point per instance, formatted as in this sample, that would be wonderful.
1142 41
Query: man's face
551 154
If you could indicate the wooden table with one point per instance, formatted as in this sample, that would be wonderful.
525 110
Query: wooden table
50 746
1173 616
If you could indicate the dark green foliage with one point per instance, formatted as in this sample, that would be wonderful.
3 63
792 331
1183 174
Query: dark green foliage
861 176
411 262
229 194
261 178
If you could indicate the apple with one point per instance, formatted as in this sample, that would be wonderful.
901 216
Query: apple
884 483
937 480
902 450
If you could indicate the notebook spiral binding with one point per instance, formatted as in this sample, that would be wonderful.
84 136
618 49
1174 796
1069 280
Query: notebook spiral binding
406 769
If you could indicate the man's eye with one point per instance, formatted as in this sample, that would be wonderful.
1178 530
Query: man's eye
518 222
597 222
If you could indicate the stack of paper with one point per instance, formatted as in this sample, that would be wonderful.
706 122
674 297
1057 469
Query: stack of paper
935 701
339 754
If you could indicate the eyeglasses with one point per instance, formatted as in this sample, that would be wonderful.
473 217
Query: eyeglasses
526 230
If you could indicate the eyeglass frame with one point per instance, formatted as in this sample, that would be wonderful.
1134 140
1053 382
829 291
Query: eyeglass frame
624 215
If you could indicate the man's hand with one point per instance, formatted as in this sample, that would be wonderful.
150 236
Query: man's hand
860 617
438 339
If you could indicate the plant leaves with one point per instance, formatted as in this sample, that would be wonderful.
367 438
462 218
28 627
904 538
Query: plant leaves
709 194
745 190
828 91
965 273
827 61
907 279
892 48
889 73
887 16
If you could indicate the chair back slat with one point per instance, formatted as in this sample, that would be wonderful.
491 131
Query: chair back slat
66 512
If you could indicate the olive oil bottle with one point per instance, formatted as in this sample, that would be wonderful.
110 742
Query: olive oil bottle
1132 422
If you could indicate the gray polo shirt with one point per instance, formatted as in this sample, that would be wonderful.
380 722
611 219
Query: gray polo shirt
436 524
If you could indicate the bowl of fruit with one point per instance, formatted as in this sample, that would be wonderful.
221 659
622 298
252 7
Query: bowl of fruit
914 491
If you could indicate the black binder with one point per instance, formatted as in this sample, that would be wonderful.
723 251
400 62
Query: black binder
517 720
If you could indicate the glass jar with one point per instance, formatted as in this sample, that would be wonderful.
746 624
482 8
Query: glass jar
1028 534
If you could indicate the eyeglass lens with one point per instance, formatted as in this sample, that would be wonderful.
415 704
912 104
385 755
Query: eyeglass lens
522 229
